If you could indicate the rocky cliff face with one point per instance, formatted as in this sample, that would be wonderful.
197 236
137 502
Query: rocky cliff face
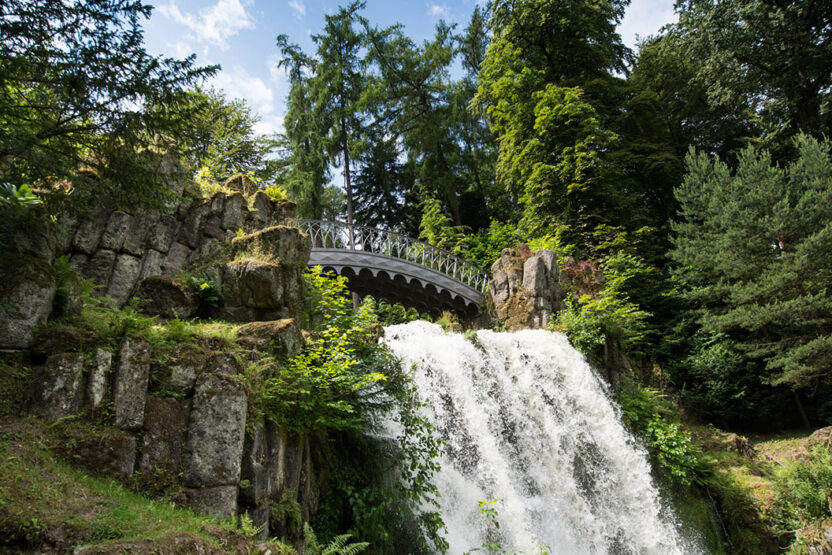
174 419
525 288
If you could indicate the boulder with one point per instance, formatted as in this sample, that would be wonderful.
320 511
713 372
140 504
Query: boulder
151 264
222 363
822 436
27 289
525 289
186 363
165 433
161 236
124 277
217 501
261 206
131 382
190 231
99 378
216 432
253 284
99 268
282 337
233 217
115 231
280 242
167 297
88 234
241 183
137 231
55 340
176 258
113 454
61 385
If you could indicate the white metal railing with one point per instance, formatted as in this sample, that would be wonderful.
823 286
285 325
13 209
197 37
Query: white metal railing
339 235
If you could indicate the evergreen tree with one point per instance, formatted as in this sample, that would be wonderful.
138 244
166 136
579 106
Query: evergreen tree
752 254
74 77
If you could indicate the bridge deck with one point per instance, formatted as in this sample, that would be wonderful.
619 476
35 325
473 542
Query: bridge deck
396 267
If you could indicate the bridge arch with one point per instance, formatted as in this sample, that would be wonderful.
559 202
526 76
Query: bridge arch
396 267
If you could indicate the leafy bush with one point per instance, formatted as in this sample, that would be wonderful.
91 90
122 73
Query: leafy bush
648 413
276 192
208 291
389 314
325 386
22 196
804 490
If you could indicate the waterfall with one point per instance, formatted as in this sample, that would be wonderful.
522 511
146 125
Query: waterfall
526 421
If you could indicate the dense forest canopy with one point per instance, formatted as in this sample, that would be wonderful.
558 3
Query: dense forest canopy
694 172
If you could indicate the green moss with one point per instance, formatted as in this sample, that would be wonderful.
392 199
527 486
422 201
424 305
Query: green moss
15 268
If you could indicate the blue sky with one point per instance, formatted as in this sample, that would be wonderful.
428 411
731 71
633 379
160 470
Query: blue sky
240 36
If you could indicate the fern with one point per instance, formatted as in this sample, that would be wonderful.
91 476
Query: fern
338 546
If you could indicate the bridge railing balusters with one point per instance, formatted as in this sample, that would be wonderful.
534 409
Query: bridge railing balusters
338 235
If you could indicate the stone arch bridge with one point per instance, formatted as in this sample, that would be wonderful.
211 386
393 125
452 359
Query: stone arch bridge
396 267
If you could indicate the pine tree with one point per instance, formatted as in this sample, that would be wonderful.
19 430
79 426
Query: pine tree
752 254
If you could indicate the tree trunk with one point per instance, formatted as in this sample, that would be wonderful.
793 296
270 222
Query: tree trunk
803 417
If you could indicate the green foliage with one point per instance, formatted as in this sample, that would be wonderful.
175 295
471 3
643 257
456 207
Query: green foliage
209 293
436 229
276 192
389 314
69 287
340 545
751 256
485 246
325 386
19 196
287 511
803 490
649 414
71 77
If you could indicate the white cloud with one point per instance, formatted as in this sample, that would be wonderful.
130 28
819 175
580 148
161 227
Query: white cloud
239 83
437 10
643 18
298 7
215 24
181 49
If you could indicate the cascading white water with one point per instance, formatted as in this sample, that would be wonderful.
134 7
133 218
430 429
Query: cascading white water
527 422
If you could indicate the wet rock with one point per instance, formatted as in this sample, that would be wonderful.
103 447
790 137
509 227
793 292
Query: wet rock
282 337
61 386
124 277
99 378
165 433
216 431
167 297
113 454
131 382
218 501
27 289
115 231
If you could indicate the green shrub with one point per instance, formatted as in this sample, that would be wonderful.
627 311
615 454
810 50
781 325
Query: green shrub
276 192
208 291
804 490
649 414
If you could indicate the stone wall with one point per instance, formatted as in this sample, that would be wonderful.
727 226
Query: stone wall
525 288
117 249
175 422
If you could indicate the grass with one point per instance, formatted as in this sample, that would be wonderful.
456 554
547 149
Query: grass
44 498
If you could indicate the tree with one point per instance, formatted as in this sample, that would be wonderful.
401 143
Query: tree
74 77
306 174
554 141
752 254
219 139
772 58
338 86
